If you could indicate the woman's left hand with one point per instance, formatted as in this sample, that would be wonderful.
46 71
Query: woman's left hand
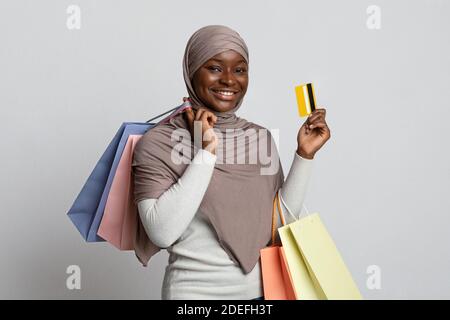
313 134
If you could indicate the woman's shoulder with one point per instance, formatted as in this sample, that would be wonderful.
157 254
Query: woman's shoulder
242 122
258 127
154 138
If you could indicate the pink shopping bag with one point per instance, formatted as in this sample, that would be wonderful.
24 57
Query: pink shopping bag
119 222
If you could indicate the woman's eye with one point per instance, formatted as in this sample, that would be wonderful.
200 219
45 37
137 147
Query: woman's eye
241 70
214 68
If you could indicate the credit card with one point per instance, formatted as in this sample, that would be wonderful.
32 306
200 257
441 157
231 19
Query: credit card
306 100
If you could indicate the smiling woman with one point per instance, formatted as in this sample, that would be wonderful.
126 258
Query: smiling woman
214 218
222 81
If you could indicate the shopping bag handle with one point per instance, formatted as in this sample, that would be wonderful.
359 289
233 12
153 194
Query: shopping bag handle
173 111
276 203
280 198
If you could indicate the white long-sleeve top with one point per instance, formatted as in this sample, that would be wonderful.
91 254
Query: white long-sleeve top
198 267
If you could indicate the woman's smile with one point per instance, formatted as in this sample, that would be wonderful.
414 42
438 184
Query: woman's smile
225 94
222 81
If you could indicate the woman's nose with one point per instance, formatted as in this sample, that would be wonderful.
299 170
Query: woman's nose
227 78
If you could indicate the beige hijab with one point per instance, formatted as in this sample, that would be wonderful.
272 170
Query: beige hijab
238 201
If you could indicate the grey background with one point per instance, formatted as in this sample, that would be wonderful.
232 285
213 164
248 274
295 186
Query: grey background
381 184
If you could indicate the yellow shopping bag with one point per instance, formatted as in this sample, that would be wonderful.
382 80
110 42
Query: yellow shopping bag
315 265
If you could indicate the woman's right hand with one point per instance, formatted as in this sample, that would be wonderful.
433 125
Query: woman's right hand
206 119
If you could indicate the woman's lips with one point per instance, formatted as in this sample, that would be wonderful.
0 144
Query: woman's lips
224 95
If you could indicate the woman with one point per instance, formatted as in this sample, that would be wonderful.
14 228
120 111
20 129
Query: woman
214 216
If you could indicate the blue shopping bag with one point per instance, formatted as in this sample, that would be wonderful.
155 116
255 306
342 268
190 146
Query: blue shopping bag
87 210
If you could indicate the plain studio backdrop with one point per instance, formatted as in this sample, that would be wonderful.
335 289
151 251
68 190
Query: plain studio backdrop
381 183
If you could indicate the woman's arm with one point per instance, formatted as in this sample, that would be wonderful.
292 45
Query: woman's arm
294 188
166 218
310 138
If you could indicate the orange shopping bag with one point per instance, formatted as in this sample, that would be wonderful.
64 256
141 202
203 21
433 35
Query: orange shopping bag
276 278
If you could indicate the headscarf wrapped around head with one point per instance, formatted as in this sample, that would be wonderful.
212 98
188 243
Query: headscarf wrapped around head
204 44
238 200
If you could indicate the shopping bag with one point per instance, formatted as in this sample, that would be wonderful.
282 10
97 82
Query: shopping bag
303 286
315 265
87 210
276 280
119 222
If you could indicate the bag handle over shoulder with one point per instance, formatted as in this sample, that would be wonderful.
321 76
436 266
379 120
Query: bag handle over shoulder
173 111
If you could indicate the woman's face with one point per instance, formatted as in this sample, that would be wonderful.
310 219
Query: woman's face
222 81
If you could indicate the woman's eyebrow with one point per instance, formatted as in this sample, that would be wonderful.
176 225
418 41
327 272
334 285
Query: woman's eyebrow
218 60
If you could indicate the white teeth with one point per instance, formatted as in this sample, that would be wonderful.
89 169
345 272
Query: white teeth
225 93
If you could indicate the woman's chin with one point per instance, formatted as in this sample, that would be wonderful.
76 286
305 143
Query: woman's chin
223 106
